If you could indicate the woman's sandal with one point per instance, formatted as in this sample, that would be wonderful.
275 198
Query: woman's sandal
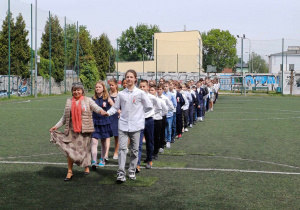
68 179
86 172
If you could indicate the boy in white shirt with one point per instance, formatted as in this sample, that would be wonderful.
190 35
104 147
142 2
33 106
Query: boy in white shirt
134 104
158 118
148 131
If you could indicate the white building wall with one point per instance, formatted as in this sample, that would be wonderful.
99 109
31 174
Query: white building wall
276 61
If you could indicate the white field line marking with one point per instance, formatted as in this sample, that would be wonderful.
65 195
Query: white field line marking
168 168
32 108
276 118
28 156
260 161
228 170
33 100
277 110
233 158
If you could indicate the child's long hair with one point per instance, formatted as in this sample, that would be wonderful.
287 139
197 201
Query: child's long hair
113 80
104 93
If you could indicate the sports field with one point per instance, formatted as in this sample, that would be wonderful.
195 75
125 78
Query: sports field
245 155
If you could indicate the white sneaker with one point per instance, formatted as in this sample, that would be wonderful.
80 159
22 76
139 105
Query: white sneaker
120 178
211 109
191 125
115 157
161 150
168 145
201 119
186 130
132 176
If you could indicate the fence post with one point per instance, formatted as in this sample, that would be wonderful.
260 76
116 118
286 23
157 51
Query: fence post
282 67
31 59
65 57
49 53
8 48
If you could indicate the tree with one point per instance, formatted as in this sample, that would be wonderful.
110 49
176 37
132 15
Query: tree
219 49
57 48
136 42
259 64
103 51
4 44
88 69
71 35
21 50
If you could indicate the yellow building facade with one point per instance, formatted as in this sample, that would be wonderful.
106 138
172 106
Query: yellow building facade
174 52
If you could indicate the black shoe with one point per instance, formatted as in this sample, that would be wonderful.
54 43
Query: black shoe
146 161
68 179
155 157
173 140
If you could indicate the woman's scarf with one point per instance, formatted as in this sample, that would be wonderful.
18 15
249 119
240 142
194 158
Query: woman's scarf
76 114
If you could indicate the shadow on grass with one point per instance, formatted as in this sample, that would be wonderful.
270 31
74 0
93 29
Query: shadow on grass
139 182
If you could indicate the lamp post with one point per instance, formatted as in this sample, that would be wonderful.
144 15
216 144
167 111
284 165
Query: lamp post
242 39
118 61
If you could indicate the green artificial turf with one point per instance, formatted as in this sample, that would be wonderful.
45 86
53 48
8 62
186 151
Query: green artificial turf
216 165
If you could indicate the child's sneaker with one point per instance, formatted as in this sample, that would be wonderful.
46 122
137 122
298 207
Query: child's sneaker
138 169
168 145
149 165
101 163
94 165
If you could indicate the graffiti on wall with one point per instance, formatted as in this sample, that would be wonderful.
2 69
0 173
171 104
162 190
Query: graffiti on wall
228 82
18 86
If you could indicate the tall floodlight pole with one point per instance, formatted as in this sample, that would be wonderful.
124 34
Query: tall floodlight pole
49 53
31 53
156 62
35 78
65 56
77 52
118 61
8 48
243 87
199 57
282 67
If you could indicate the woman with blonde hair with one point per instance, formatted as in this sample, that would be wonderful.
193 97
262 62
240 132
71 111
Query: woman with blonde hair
75 141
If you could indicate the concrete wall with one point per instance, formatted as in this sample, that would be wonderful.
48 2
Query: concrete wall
287 82
22 87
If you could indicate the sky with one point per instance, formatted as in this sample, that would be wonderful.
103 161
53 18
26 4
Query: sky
264 22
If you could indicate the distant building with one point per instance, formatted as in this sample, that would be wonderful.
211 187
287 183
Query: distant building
227 70
238 68
290 57
177 52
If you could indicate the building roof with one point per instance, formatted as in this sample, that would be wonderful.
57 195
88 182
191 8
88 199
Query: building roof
292 50
238 65
289 52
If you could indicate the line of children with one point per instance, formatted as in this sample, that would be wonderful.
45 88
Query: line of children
149 111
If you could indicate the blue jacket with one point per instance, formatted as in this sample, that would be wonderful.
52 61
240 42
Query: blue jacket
180 102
